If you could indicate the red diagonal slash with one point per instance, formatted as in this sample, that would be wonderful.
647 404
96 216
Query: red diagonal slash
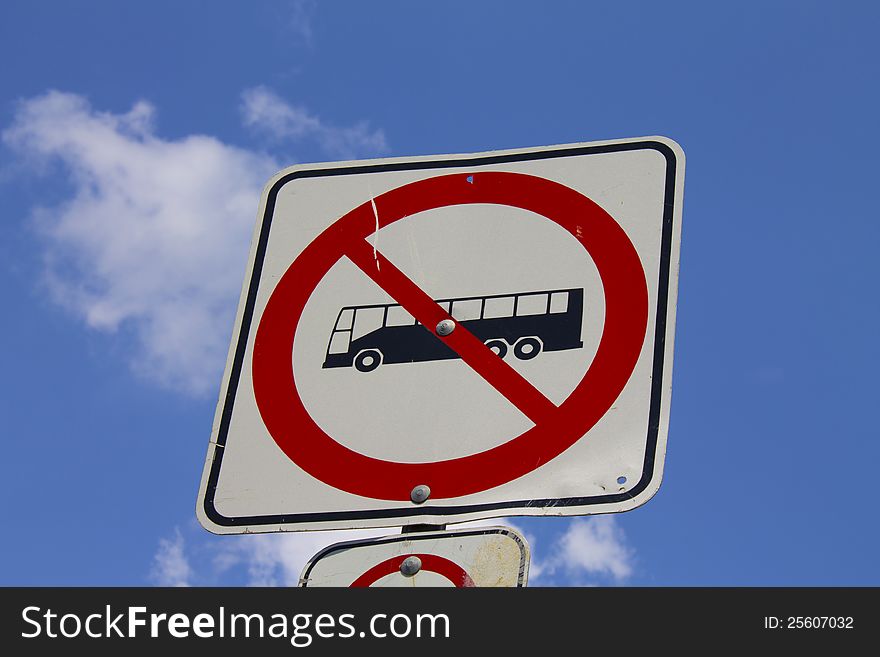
483 360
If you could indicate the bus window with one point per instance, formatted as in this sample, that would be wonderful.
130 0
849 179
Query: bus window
532 304
367 320
559 302
466 309
498 307
344 321
397 316
339 342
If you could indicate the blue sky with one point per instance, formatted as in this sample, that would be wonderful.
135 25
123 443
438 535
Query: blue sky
136 140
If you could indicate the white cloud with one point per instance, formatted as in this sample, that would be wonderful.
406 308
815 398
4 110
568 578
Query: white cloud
278 559
170 564
154 236
595 546
265 111
299 22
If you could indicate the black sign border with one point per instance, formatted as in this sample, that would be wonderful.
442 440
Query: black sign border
657 384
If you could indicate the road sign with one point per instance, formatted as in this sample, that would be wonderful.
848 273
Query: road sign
484 557
440 339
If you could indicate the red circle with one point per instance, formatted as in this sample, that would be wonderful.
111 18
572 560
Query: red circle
626 317
430 562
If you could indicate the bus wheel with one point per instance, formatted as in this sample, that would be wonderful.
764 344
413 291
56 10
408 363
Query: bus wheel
527 348
368 360
498 346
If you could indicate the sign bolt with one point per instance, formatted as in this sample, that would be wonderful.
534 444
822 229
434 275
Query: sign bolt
410 566
445 327
420 494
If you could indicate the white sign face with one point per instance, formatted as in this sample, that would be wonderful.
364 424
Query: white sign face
484 557
441 339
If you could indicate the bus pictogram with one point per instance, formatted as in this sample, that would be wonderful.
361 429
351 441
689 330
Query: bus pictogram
525 323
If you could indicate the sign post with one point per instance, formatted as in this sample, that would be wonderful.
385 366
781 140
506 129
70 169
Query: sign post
440 339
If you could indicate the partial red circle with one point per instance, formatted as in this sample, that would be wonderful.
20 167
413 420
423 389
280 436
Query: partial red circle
626 317
430 562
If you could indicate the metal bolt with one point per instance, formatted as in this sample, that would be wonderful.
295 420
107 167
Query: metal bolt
410 566
445 327
420 494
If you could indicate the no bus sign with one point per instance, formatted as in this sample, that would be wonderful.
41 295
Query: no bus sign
439 339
